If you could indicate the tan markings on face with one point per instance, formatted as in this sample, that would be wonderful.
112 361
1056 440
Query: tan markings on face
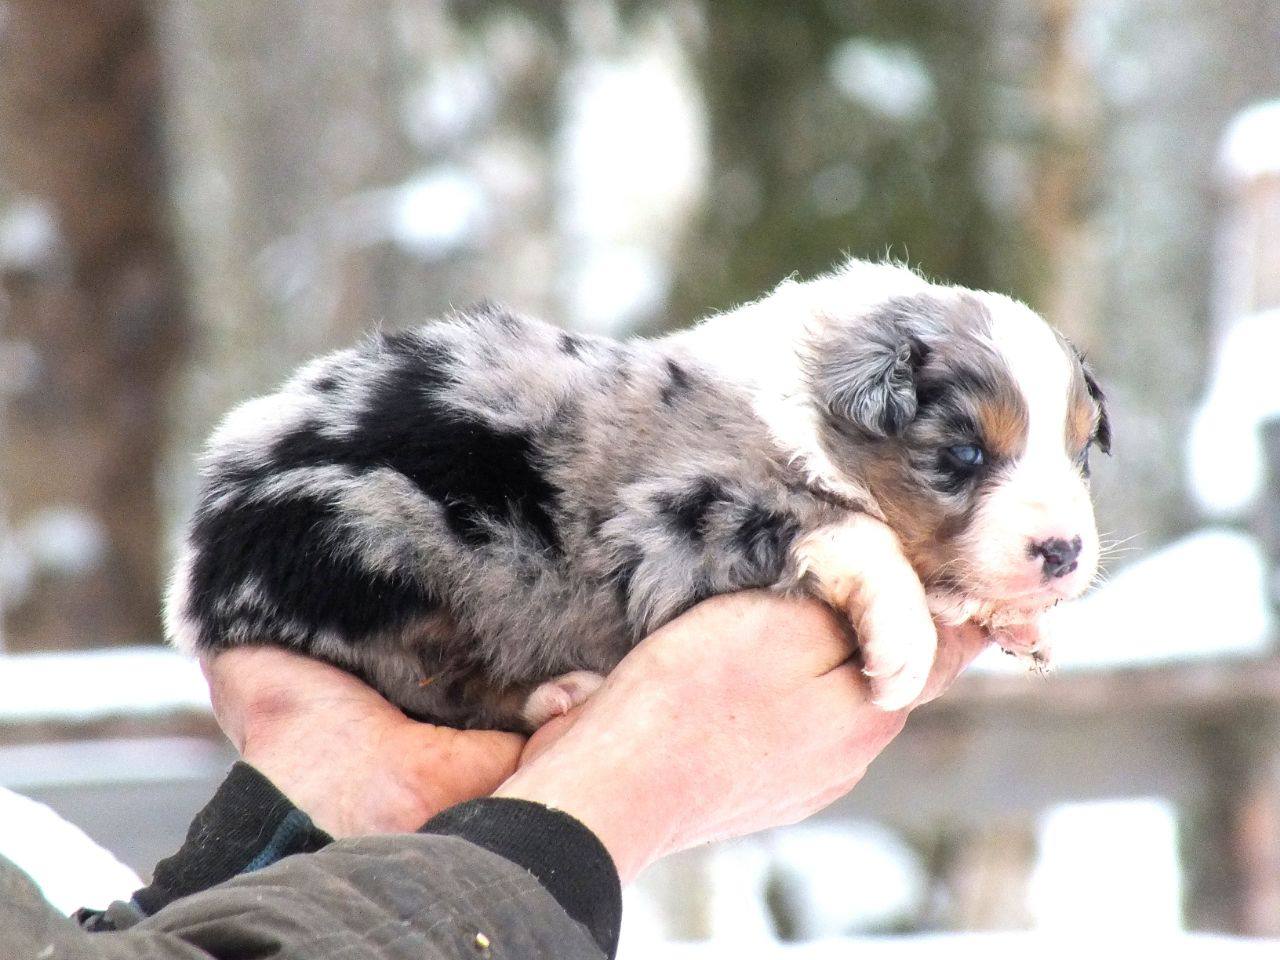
1002 421
927 525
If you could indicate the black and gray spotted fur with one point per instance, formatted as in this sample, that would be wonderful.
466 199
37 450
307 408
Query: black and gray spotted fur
460 512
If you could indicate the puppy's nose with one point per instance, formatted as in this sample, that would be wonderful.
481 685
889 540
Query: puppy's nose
1059 555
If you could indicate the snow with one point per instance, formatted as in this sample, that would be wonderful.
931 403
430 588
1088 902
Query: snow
979 946
441 209
1251 145
17 572
90 685
890 80
65 539
73 871
1140 891
28 235
70 869
20 367
1224 454
839 876
848 876
631 143
129 760
456 95
1203 596
631 159
610 286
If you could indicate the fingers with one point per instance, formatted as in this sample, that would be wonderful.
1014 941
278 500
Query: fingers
958 646
548 734
764 632
458 765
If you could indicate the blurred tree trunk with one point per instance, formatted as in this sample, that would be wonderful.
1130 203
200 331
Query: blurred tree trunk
1231 842
94 321
1065 153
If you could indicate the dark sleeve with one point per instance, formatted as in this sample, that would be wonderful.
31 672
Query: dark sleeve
248 825
484 873
419 896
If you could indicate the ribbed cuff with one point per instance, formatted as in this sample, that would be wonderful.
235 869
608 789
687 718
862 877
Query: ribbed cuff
563 855
248 825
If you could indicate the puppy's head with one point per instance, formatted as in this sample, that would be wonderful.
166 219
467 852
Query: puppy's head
970 421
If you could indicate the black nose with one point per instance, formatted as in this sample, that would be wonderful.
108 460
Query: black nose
1059 555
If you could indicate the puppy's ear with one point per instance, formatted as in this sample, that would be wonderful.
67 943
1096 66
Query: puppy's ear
865 376
1102 433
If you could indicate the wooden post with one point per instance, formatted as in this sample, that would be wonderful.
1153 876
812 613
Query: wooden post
979 878
1231 841
680 886
1267 514
1248 268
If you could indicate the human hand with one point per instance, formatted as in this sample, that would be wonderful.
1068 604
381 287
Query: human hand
341 752
744 713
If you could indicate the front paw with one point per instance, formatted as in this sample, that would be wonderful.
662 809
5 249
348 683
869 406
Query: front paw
898 643
858 566
1026 641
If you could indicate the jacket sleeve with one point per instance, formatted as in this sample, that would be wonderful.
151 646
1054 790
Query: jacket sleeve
385 898
486 879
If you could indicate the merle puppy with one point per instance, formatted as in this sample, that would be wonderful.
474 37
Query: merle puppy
483 515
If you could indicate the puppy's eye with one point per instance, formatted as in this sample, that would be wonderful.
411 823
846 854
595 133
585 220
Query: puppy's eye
966 457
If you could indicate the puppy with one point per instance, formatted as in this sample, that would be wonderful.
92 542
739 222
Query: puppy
483 515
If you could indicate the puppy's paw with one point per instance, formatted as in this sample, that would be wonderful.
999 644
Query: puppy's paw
559 696
1027 642
898 645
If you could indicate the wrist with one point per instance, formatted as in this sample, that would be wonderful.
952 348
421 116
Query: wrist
625 817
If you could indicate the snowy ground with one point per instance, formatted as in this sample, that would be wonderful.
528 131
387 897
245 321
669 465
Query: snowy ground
71 869
980 946
98 684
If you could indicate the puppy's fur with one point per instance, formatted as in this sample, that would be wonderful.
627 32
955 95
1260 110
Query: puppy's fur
466 511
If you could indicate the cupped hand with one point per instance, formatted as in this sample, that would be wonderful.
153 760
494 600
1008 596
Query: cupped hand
341 752
747 712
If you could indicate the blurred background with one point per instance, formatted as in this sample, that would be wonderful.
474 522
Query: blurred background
196 196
